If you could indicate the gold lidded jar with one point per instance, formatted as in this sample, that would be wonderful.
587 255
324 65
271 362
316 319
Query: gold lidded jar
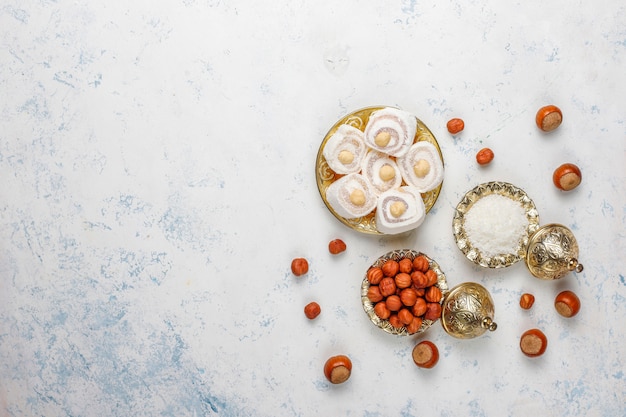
552 252
468 311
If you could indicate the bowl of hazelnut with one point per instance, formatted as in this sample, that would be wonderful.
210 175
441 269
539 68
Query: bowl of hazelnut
402 292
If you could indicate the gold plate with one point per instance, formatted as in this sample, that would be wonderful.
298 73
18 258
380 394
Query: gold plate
326 176
458 224
368 306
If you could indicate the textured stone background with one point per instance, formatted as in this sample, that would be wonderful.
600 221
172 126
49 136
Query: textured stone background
157 177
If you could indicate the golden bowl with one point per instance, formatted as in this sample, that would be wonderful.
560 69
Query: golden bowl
468 311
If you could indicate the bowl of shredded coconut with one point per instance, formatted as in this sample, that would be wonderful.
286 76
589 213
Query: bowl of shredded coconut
493 223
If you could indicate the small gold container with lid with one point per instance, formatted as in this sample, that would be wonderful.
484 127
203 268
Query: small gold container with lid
552 252
468 311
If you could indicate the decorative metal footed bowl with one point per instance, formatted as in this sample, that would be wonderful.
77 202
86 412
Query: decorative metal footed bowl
468 311
552 252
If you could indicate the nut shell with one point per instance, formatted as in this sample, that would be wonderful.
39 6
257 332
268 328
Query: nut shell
548 118
567 177
567 304
533 343
425 354
338 369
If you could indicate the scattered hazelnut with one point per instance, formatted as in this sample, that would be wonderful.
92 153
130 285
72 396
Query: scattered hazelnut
337 369
386 172
357 197
397 208
336 246
526 301
567 177
421 168
312 310
345 157
382 138
548 118
533 343
425 354
484 156
455 125
567 304
299 266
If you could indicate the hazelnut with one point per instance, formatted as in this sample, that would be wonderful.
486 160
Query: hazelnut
567 304
373 294
533 343
312 310
337 369
381 310
386 172
374 275
548 118
433 294
526 301
455 125
345 157
393 303
405 316
419 279
299 266
420 307
415 325
336 246
387 286
484 156
421 263
432 277
425 354
357 197
397 208
408 296
433 311
405 265
390 268
403 280
421 168
567 177
394 320
382 138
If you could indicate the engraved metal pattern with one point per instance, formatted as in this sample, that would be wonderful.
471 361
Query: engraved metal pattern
325 175
468 311
552 252
368 306
458 224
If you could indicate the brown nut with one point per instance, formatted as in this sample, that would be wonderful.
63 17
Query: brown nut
375 275
408 296
425 354
387 286
390 268
312 310
373 294
567 177
526 301
533 343
419 279
405 316
337 369
336 246
433 294
415 325
455 125
406 265
381 310
394 320
433 311
403 280
548 118
484 156
567 304
393 303
432 278
421 263
420 307
299 266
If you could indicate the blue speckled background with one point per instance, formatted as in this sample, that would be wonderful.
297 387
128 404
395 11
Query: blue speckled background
157 166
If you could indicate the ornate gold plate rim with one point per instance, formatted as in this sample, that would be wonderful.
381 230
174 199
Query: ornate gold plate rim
469 199
325 175
368 306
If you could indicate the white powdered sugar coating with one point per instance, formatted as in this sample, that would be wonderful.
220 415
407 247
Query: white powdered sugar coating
495 225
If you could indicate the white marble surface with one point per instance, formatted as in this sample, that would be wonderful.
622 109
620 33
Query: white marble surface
157 166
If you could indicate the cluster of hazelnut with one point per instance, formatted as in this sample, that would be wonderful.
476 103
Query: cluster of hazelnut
405 292
534 342
566 177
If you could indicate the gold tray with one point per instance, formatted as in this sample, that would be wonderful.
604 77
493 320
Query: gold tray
326 176
458 224
368 306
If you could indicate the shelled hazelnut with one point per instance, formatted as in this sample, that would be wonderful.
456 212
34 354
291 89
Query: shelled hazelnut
455 125
312 310
484 156
526 301
336 246
299 266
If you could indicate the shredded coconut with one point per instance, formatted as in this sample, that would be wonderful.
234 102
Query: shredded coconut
495 224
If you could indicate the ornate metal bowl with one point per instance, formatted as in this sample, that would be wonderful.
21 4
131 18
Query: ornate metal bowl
552 252
468 311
